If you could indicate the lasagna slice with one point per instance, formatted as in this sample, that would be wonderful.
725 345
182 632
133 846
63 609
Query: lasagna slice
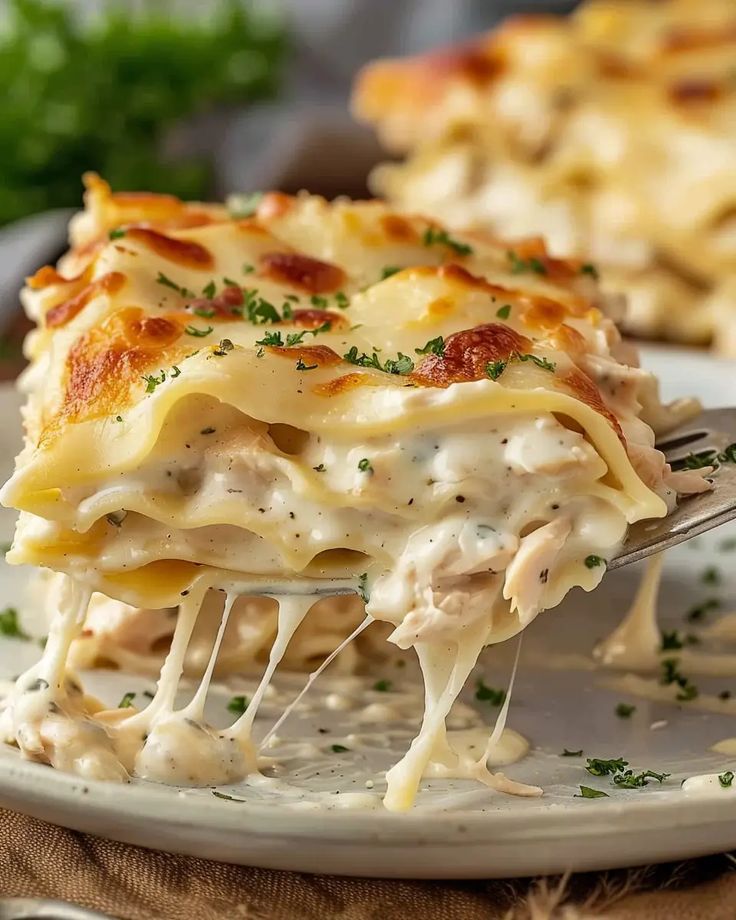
610 132
217 403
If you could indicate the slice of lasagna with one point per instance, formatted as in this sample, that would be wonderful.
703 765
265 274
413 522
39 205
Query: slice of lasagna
610 132
313 390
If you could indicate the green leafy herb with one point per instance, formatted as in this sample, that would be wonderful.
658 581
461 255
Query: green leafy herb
167 282
627 779
401 365
566 753
301 366
342 300
248 269
338 748
209 291
198 333
593 561
587 792
363 587
318 301
154 380
116 234
118 418
9 625
238 704
725 779
242 205
389 270
319 469
597 766
671 675
175 371
671 640
437 236
625 710
711 576
433 347
127 701
494 369
365 466
486 694
699 612
271 338
589 269
383 686
519 265
504 312
540 362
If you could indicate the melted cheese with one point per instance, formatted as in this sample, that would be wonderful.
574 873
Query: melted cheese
220 405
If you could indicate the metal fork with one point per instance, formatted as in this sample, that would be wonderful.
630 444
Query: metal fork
701 441
704 437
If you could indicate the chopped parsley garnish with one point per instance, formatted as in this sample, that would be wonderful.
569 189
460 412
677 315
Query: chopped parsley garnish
540 362
365 466
342 300
318 301
625 710
519 265
589 269
599 767
671 640
698 613
494 369
116 234
238 704
319 469
486 694
401 365
383 686
301 366
338 748
167 282
711 576
725 779
271 338
363 587
223 348
593 561
244 204
587 792
228 798
504 312
671 675
209 291
436 235
153 380
204 312
198 333
627 779
9 625
389 270
566 753
127 701
175 371
118 418
247 268
433 347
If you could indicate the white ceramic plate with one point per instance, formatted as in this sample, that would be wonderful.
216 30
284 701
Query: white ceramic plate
457 829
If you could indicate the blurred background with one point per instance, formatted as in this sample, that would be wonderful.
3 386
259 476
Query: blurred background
194 97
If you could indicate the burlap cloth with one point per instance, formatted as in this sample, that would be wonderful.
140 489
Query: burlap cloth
40 860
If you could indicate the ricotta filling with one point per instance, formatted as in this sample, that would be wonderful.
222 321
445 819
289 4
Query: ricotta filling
512 516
